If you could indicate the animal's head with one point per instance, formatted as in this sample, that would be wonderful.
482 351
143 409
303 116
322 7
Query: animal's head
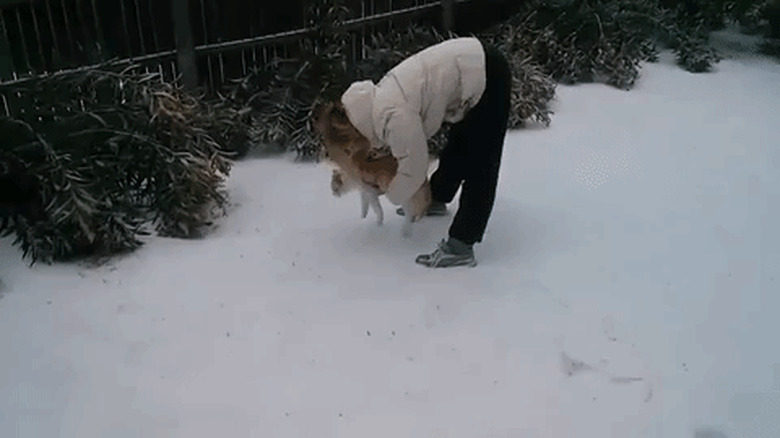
338 134
350 150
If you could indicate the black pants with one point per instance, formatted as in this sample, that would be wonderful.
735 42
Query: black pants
472 155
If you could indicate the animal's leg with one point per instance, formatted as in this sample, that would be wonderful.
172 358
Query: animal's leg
364 201
370 198
377 207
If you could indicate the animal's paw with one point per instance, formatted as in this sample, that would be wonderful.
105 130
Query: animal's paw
337 185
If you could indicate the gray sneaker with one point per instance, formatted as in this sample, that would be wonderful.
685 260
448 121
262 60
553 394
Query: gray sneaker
444 257
435 209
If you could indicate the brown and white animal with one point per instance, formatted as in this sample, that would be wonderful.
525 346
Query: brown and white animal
358 165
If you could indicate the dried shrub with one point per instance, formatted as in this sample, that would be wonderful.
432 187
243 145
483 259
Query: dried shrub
693 53
532 87
770 21
281 95
116 154
578 41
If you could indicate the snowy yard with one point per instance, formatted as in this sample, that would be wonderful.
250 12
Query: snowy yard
627 287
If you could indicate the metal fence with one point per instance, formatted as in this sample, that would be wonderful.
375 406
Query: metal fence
216 40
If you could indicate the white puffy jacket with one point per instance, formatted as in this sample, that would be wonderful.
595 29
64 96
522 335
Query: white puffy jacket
409 104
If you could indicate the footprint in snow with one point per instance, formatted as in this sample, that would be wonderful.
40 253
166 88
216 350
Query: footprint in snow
571 366
708 433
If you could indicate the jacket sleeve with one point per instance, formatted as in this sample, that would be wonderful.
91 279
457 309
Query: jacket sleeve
403 132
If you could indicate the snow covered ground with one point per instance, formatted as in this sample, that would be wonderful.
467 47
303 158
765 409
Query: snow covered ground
627 287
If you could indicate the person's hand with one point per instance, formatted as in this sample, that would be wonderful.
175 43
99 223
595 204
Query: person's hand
416 207
418 204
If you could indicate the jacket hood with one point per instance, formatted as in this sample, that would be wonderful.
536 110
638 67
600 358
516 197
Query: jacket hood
358 102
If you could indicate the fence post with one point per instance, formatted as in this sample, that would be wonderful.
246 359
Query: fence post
448 15
185 44
6 61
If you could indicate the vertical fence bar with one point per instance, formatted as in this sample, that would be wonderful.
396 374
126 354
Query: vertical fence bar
67 28
5 106
221 58
155 39
252 20
7 43
206 41
448 15
353 52
390 9
362 30
210 69
185 44
125 28
140 27
100 36
24 43
55 43
373 28
87 40
38 36
221 70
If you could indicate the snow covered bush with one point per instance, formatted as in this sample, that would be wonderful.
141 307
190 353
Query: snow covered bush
280 96
693 20
685 28
715 14
109 154
759 17
606 40
532 87
770 14
711 14
692 51
583 41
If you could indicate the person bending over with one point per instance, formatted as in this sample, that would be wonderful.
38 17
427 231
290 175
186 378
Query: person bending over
459 81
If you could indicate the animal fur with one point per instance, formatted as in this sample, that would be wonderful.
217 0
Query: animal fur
358 165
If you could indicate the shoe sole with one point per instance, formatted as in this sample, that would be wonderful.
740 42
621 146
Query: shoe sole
400 212
444 264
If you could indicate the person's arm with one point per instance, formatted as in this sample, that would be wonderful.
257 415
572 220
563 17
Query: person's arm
403 132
